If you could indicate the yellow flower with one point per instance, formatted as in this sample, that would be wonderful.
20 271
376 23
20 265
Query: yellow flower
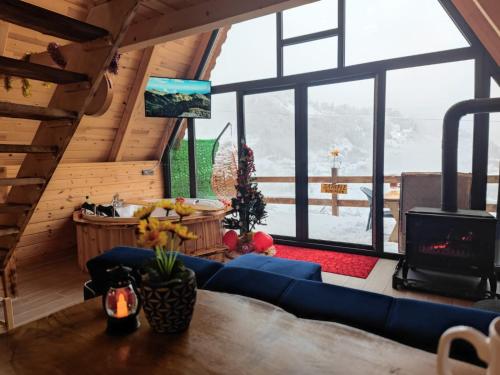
335 152
167 226
166 204
183 209
184 234
144 212
142 227
152 239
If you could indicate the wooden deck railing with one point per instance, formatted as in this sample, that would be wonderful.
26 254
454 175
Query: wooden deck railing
341 180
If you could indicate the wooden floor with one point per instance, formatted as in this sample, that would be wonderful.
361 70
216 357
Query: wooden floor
52 286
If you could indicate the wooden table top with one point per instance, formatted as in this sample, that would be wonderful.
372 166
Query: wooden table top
229 334
392 195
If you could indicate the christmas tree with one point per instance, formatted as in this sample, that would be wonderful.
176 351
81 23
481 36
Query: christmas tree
249 208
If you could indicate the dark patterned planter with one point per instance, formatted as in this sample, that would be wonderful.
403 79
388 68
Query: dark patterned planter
169 309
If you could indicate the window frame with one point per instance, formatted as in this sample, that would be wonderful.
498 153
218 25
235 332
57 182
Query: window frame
485 68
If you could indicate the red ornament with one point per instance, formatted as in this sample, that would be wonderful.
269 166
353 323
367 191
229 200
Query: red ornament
262 241
230 239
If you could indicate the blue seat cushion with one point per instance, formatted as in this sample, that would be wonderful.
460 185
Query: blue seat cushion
135 258
319 301
248 282
420 324
286 267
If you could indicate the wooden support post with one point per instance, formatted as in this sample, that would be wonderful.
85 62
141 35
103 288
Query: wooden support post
8 313
4 34
3 189
133 103
335 207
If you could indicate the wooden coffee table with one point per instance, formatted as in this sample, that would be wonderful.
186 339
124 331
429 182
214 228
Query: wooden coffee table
229 334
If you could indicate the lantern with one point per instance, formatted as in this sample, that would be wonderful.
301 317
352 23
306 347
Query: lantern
121 302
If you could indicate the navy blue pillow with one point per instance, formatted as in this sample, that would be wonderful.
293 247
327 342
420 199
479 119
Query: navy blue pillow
319 301
135 258
296 269
265 286
420 324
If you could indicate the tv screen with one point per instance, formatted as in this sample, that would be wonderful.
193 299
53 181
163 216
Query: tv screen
169 97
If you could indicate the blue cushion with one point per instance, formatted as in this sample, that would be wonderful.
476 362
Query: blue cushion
286 267
135 258
315 300
247 282
420 324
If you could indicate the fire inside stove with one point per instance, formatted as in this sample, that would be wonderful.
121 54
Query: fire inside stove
459 245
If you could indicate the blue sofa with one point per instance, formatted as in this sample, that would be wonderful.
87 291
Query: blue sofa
299 291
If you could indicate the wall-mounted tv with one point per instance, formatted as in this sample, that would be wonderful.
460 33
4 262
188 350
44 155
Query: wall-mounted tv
171 97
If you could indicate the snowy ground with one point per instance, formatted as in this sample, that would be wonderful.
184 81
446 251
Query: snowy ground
349 226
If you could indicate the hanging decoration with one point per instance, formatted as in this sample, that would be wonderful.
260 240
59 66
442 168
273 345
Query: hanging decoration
113 67
225 166
7 83
56 55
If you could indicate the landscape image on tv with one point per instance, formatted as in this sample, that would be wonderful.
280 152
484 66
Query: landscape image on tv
168 97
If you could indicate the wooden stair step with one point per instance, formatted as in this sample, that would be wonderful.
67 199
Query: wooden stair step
8 208
32 112
20 68
27 149
47 22
8 230
21 181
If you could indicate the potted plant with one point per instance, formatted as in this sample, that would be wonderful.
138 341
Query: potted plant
168 288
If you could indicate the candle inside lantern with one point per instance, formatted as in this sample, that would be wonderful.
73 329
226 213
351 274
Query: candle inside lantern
121 307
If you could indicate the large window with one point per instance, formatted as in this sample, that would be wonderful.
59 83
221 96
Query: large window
249 52
494 152
372 78
216 141
270 132
383 29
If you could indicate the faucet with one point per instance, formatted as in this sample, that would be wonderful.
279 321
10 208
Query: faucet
116 202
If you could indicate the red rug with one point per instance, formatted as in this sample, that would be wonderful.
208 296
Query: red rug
331 261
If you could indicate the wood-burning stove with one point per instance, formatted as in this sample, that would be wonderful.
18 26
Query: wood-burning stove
447 240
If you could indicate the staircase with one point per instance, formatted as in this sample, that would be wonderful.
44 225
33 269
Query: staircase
95 44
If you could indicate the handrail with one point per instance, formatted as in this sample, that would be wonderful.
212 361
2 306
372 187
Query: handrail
492 179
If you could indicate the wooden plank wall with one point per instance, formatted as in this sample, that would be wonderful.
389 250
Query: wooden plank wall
51 230
84 169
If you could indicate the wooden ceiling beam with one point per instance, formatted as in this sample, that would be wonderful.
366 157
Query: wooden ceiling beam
133 101
483 16
207 16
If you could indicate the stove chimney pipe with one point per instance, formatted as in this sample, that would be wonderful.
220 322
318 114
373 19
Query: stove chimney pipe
450 145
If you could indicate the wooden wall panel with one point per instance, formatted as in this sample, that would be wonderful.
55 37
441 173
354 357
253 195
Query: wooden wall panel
51 229
84 170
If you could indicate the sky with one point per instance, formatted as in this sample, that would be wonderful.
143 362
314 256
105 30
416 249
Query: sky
178 86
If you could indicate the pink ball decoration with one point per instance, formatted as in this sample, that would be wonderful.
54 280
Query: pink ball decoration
262 241
230 239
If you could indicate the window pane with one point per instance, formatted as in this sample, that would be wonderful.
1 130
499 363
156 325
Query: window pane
249 52
270 117
417 100
494 148
222 153
310 18
382 29
341 116
311 56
